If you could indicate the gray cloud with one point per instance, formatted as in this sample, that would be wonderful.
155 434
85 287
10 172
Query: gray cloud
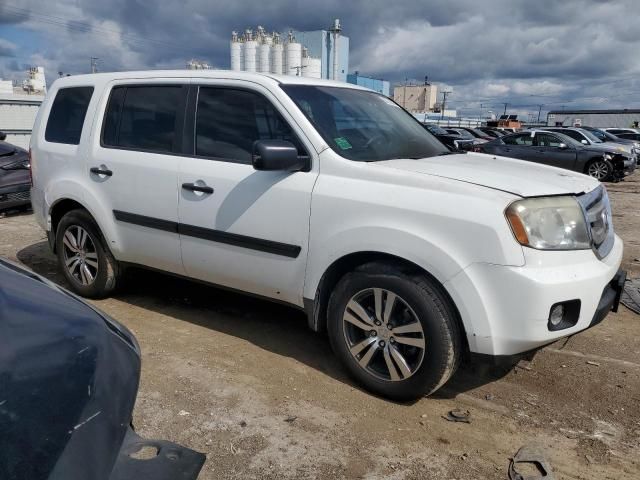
517 51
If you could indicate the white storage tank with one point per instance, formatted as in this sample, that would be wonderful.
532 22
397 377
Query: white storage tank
250 51
264 58
277 55
293 56
313 67
236 53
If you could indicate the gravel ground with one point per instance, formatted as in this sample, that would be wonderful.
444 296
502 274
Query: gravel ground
247 383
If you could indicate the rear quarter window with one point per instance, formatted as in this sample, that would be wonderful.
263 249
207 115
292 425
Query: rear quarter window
66 117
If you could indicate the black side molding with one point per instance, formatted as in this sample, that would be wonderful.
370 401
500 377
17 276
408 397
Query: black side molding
244 241
144 221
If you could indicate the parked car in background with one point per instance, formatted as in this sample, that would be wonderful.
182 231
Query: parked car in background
629 136
15 179
69 376
468 136
616 131
476 132
411 257
492 132
587 137
607 137
453 142
559 150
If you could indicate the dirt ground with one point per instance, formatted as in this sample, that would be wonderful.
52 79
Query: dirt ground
247 383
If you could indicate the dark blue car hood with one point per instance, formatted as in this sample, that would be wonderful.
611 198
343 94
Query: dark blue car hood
68 382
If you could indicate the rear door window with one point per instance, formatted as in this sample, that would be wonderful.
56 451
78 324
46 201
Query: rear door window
145 118
67 115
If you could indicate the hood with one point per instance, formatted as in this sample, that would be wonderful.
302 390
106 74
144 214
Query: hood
519 177
10 153
610 147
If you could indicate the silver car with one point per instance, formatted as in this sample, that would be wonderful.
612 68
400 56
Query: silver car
587 138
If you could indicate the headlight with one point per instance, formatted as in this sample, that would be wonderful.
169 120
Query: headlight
549 223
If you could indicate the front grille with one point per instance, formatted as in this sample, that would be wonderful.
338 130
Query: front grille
597 211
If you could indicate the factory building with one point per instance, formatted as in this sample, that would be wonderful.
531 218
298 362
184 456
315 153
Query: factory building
594 118
315 54
380 86
416 98
19 104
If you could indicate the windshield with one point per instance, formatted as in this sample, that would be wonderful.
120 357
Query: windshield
362 125
479 133
462 133
590 136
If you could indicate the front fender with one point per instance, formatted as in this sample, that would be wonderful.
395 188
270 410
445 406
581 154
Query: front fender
415 249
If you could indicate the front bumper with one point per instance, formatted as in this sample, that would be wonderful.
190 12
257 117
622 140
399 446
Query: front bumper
14 196
630 166
171 462
505 310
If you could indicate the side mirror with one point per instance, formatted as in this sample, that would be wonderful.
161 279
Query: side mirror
277 155
584 142
563 146
3 136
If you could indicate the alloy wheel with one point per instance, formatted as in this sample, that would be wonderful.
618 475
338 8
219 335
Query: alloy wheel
599 170
80 255
383 334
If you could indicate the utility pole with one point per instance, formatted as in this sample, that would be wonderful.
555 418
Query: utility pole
444 102
505 108
404 94
94 64
539 111
481 113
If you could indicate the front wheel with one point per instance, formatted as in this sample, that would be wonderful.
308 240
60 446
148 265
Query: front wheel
600 169
395 332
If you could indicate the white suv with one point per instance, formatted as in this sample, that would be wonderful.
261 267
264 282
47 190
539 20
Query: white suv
330 198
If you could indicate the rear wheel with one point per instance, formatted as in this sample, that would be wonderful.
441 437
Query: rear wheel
395 332
86 262
600 169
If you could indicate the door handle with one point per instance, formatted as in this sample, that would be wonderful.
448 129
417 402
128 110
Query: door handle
197 188
100 171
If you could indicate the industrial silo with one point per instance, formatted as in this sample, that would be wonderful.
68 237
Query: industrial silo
293 56
277 54
236 52
264 51
313 67
250 49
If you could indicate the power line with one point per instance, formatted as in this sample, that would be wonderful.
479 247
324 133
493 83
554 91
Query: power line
24 14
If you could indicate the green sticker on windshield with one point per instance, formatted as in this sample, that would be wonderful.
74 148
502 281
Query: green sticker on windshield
343 143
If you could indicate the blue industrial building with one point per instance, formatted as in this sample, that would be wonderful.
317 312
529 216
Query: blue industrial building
380 86
320 44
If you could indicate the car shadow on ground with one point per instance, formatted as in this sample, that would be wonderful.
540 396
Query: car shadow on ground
274 327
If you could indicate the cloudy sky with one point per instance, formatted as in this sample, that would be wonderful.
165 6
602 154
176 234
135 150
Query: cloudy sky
556 53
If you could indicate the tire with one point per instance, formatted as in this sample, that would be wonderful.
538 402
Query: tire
417 298
92 254
600 169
